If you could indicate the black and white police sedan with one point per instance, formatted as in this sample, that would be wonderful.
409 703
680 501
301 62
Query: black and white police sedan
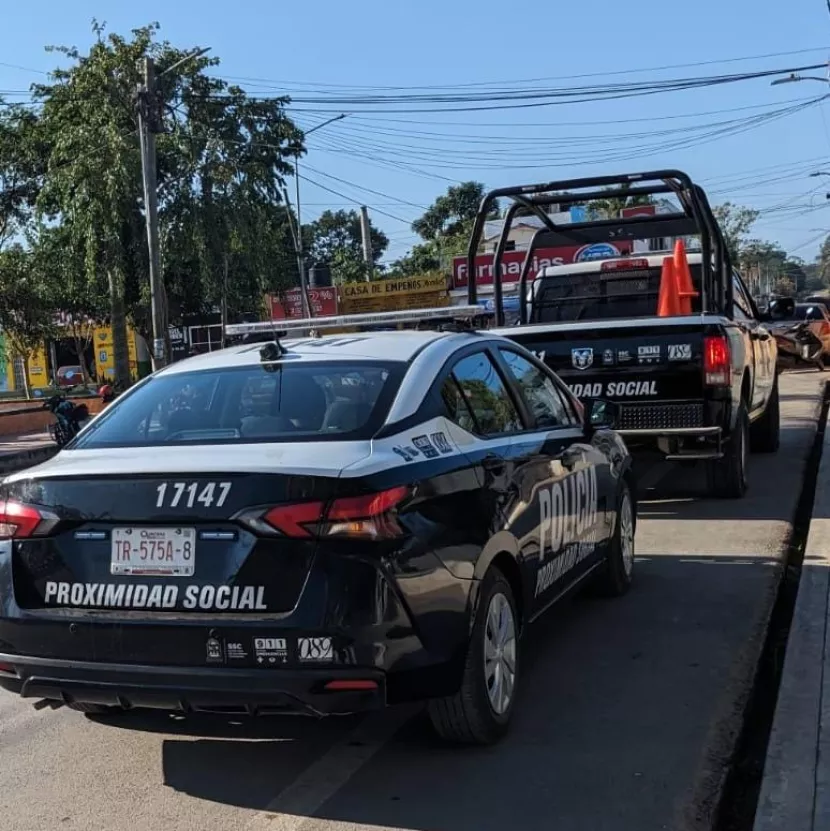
321 525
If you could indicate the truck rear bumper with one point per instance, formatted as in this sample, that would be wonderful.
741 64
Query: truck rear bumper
681 444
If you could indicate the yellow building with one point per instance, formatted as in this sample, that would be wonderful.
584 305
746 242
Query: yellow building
37 367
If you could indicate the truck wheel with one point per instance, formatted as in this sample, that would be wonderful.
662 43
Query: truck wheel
726 477
479 713
614 577
765 434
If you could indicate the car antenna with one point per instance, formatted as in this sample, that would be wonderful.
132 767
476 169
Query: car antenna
271 351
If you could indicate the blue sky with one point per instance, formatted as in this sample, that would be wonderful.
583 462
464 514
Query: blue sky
329 47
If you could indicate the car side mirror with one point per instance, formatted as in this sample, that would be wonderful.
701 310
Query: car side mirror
600 414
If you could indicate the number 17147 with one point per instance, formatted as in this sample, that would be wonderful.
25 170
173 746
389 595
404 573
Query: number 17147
183 494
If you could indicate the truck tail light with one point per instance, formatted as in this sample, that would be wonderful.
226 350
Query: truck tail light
19 521
717 361
369 517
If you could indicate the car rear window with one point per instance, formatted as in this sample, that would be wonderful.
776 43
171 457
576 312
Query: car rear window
601 295
299 402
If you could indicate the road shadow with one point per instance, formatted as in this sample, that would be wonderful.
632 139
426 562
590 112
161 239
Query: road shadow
774 484
617 704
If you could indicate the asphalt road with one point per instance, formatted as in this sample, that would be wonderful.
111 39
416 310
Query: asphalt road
627 716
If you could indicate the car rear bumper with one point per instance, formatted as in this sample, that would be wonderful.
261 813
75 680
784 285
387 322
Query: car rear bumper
313 691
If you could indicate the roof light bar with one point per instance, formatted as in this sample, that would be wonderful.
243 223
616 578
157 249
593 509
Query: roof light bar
457 313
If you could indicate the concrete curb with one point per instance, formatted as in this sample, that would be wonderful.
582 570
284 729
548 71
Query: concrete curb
795 790
26 458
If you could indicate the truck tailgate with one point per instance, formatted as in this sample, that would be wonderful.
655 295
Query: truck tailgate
654 369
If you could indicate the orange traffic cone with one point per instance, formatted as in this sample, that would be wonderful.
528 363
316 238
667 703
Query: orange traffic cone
668 302
683 276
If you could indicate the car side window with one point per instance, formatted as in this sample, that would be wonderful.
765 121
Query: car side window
457 408
543 399
487 400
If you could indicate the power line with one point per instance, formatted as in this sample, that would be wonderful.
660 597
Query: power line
712 62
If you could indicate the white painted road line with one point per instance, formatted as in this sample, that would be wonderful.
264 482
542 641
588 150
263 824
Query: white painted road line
294 808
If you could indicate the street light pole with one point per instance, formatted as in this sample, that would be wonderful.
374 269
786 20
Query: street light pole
306 306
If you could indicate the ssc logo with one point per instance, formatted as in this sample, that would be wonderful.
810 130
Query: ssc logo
597 251
582 358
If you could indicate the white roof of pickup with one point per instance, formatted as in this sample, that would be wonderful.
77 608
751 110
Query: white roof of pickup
654 261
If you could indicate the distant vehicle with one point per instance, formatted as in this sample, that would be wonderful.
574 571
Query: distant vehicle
785 313
323 525
674 339
70 376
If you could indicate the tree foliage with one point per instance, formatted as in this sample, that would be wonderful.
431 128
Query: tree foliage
451 213
222 158
735 223
335 238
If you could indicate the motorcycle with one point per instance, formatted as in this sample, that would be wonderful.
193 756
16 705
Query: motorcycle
798 345
69 419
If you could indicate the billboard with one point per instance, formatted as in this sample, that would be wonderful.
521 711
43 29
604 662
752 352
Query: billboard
542 258
323 301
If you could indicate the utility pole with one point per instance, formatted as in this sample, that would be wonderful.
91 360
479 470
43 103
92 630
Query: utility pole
306 307
366 234
149 123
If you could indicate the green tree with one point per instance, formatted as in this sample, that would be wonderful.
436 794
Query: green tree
451 215
21 167
335 238
27 311
735 223
80 304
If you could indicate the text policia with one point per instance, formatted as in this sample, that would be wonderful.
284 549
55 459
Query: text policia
144 596
567 525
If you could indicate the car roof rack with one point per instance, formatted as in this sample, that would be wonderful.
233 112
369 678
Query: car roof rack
446 318
695 218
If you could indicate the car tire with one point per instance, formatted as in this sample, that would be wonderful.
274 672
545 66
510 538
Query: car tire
765 434
614 577
477 714
727 477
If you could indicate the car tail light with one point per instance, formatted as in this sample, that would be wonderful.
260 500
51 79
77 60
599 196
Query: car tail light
370 517
624 265
717 361
19 521
7 668
824 330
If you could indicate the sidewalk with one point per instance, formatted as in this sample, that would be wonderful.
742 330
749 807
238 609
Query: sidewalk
25 450
795 791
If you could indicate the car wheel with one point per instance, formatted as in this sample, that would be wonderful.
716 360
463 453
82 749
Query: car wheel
614 578
479 713
726 477
765 434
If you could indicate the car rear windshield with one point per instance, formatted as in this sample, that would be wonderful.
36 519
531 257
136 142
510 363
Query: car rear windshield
299 402
601 295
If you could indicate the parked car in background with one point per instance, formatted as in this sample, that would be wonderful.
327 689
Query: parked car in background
784 313
70 376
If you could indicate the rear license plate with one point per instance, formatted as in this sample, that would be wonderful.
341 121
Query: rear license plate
160 552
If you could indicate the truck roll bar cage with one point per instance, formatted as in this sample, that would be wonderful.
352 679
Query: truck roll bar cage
694 219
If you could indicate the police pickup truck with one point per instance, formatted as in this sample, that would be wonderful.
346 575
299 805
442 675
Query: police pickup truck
673 339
